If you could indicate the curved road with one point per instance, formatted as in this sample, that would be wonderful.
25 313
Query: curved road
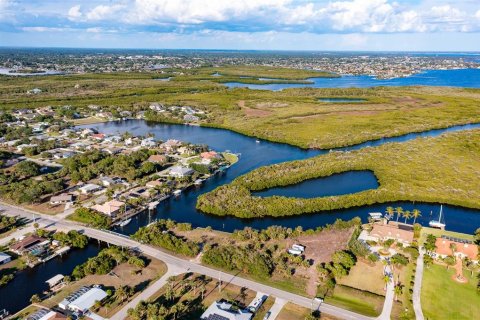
179 265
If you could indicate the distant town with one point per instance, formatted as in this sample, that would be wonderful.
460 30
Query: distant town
381 65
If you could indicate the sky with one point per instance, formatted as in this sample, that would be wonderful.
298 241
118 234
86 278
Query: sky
357 25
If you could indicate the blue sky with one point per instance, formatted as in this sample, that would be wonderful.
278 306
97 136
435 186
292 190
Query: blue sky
422 25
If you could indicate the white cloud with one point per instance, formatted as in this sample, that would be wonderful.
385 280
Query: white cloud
74 13
102 12
45 29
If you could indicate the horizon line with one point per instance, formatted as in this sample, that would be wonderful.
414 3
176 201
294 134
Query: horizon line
235 50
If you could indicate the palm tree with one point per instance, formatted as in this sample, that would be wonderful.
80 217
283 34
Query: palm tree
390 211
398 289
453 247
415 214
386 280
399 211
407 215
169 293
121 293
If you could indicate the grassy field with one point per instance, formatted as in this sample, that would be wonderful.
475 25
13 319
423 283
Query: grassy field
366 277
356 300
443 298
294 116
432 170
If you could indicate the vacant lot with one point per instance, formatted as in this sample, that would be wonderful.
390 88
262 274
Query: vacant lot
444 298
366 276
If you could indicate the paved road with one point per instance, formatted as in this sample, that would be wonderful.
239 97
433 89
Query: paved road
417 287
176 263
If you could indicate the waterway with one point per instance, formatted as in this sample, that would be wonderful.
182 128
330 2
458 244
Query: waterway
254 155
17 293
466 78
334 185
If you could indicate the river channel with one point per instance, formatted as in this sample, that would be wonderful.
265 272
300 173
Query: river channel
254 155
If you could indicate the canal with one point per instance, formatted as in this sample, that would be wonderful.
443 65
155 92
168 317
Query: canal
254 155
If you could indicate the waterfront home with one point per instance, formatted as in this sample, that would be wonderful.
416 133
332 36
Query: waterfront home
31 244
225 311
4 258
61 199
98 136
180 172
158 158
82 299
171 145
46 314
154 184
400 232
190 118
110 208
157 107
148 142
447 246
114 139
88 131
210 155
89 188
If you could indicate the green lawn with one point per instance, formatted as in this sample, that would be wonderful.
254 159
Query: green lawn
356 300
443 298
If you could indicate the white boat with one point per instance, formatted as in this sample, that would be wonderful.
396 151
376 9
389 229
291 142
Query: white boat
125 222
438 223
198 182
257 141
177 193
376 215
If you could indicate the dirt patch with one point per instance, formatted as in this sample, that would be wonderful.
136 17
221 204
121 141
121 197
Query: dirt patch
271 105
319 248
250 112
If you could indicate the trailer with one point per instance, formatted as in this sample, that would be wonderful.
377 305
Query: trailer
298 247
255 305
295 252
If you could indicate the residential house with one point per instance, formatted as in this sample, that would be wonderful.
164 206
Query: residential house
400 232
98 136
462 248
180 172
32 244
110 208
148 142
89 188
83 299
157 107
221 310
190 118
4 258
34 91
46 314
158 158
61 199
154 184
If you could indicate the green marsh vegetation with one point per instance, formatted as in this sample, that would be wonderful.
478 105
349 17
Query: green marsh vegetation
293 116
433 170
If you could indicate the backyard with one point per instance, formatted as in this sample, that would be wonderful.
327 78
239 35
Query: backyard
444 298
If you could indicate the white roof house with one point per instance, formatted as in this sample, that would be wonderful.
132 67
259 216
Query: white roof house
89 188
180 172
4 258
83 299
224 311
